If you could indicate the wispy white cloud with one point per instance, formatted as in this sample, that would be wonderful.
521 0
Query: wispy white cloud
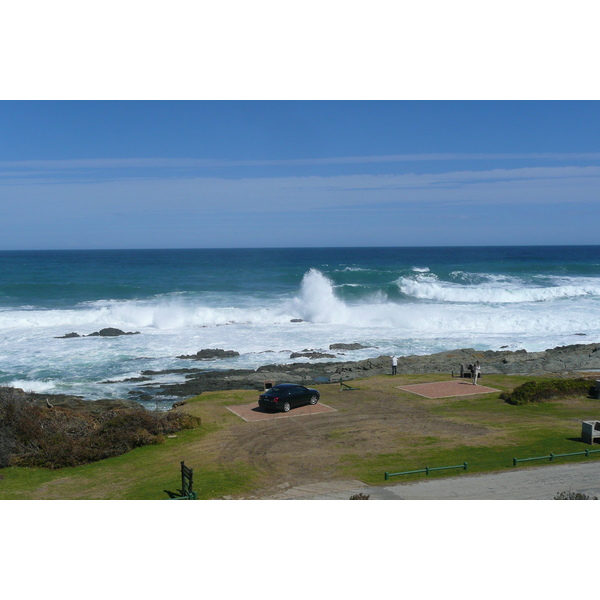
191 163
210 195
198 211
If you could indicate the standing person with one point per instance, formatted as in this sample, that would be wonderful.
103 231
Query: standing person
394 364
476 372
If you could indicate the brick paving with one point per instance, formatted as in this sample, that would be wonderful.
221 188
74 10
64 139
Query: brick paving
252 412
447 389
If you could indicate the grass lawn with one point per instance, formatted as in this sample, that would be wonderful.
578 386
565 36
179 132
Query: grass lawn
374 429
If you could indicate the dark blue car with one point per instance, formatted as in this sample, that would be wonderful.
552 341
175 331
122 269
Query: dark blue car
284 396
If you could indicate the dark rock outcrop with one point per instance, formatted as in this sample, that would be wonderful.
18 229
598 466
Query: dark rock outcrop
313 354
211 354
342 346
111 332
106 332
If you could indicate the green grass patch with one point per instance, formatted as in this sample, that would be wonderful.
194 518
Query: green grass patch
141 474
514 431
479 459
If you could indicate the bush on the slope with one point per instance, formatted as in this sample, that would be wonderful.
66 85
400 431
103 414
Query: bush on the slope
543 391
38 436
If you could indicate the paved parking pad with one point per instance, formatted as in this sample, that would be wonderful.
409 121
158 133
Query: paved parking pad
252 412
447 389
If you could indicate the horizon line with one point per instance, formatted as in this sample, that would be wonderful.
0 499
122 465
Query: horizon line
298 247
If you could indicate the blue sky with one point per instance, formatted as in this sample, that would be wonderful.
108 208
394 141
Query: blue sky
180 174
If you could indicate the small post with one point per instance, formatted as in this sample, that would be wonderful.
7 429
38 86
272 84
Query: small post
387 476
465 466
427 470
551 456
514 462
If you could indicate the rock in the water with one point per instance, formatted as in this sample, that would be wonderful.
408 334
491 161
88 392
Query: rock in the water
111 332
347 346
311 355
106 332
211 354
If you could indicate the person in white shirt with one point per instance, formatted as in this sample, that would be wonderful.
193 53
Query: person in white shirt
476 372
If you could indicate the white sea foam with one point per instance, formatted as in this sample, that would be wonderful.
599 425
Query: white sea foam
38 387
435 315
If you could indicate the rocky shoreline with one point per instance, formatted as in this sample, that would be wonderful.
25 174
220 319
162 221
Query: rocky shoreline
560 361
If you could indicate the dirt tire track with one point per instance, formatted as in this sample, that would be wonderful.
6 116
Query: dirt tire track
295 450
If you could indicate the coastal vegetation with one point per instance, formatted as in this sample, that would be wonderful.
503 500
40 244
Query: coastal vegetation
546 390
574 496
33 434
375 428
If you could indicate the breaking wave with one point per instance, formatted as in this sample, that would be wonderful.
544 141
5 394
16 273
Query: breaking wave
501 291
425 304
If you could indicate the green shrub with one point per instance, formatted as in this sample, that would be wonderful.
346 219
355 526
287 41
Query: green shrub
543 391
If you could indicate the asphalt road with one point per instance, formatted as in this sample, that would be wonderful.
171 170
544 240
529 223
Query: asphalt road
529 483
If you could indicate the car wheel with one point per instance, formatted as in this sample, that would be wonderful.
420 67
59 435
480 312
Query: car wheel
314 399
286 407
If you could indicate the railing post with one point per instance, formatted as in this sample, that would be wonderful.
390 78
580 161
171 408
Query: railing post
551 456
427 470
515 461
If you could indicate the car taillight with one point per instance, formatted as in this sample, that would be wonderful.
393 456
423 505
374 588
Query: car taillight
275 399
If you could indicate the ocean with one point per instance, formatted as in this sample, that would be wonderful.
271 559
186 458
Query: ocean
267 303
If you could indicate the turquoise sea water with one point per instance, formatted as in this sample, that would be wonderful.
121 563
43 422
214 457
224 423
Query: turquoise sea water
399 300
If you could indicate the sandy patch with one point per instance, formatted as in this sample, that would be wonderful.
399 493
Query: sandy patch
252 412
447 389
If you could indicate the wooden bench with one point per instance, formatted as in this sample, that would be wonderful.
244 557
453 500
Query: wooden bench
590 431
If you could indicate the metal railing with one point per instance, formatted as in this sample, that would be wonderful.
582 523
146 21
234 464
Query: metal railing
464 466
552 456
426 470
